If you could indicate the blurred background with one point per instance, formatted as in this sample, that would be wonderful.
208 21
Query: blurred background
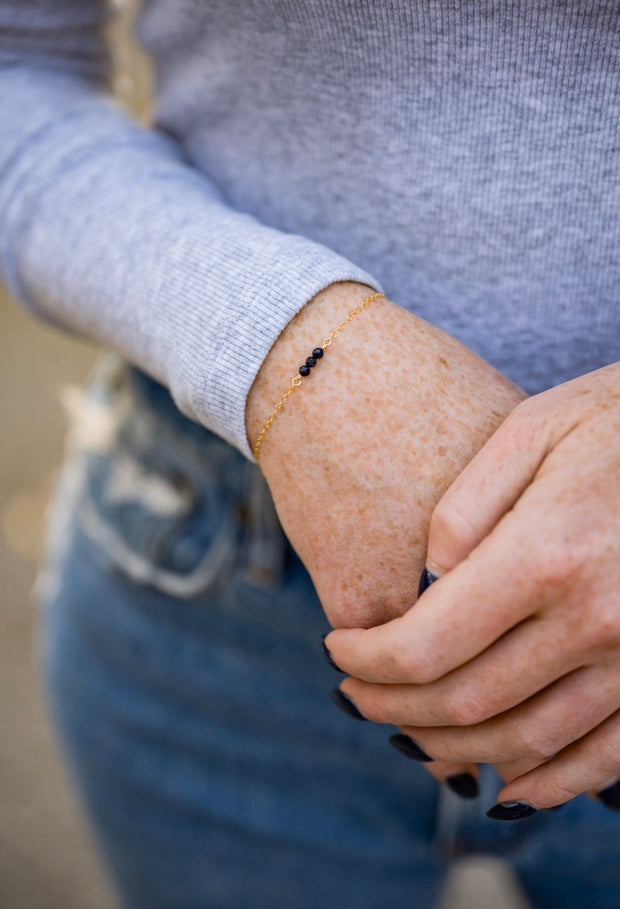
48 859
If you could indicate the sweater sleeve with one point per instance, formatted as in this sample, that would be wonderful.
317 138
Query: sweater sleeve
106 230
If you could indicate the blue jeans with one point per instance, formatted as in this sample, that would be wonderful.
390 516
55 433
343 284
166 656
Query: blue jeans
182 655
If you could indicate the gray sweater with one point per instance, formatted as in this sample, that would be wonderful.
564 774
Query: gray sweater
462 156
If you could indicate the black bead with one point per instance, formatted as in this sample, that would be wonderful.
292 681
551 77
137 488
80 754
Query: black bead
310 361
304 370
317 353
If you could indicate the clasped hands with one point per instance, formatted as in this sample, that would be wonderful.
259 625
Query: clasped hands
424 453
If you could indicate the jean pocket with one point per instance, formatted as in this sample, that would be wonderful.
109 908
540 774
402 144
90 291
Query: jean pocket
159 509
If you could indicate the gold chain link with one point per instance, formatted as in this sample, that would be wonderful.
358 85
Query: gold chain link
298 379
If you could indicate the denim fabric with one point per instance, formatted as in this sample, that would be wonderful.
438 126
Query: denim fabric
182 654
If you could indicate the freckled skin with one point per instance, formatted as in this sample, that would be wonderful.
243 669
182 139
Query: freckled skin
531 678
366 447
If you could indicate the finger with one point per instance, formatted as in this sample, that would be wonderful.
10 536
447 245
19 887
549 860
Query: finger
534 731
528 564
510 770
591 764
508 673
488 487
461 614
609 796
461 778
451 624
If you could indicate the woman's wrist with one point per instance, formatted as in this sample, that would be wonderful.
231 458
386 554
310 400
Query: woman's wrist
362 452
319 317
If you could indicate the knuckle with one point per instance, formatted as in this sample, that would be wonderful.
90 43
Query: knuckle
528 420
533 746
463 709
559 564
608 760
411 667
524 412
450 532
604 624
424 673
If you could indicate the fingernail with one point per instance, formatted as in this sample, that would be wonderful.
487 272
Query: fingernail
510 811
406 745
328 655
345 703
426 579
463 784
611 796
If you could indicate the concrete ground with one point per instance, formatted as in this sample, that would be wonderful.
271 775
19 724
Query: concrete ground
47 857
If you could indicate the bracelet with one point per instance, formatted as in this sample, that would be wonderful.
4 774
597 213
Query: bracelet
308 366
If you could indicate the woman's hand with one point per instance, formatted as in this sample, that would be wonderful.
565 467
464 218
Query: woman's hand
513 656
363 451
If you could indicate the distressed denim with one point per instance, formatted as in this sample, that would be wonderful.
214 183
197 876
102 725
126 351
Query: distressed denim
181 648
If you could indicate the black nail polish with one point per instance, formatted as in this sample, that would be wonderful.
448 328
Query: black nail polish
328 655
407 746
611 796
426 579
510 811
463 784
345 703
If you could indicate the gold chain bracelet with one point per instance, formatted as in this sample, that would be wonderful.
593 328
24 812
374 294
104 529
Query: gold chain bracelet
307 367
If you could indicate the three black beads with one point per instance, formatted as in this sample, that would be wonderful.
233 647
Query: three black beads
310 363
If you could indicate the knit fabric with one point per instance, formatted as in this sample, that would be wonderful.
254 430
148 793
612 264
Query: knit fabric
462 157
